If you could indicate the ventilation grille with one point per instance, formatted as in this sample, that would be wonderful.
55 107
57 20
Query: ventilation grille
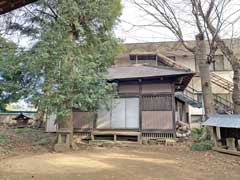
166 135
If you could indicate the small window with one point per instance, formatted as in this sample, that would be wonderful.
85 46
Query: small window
142 57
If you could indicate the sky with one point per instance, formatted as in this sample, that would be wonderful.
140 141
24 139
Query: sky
131 25
131 29
130 32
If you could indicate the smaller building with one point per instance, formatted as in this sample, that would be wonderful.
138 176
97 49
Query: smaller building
145 106
226 132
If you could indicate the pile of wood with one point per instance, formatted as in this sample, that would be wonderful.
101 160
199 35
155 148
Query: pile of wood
183 129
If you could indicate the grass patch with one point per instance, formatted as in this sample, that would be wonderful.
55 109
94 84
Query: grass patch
4 138
42 142
26 131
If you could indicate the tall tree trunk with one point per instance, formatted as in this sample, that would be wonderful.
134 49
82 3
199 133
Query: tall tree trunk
204 66
234 61
66 125
236 87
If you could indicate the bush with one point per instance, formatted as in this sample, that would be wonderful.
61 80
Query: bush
196 132
202 145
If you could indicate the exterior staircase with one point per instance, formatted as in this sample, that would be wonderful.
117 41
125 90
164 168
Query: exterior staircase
221 82
191 97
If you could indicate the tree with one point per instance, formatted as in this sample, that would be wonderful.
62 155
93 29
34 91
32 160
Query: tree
11 74
210 18
165 15
213 18
74 48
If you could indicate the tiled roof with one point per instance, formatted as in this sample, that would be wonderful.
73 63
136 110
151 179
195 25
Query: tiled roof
143 71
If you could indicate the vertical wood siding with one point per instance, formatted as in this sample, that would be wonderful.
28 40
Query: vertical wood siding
83 120
161 120
159 102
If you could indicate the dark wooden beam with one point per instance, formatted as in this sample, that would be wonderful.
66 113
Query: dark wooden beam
9 5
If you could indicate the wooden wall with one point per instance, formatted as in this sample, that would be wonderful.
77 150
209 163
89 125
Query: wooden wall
156 103
83 120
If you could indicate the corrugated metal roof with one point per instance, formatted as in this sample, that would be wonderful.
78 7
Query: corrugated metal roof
224 120
142 71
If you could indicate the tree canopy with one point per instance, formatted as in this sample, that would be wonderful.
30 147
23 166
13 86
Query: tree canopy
75 45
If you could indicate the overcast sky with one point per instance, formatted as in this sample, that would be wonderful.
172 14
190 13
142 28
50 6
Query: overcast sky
131 15
129 31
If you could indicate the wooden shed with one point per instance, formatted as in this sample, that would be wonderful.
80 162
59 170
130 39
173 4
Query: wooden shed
226 132
145 106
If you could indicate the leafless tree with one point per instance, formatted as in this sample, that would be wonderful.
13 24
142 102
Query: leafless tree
211 19
165 14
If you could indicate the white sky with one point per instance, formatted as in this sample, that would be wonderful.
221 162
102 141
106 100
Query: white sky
131 15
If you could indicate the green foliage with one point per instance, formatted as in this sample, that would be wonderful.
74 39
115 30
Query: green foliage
42 141
26 131
197 132
10 74
202 145
66 67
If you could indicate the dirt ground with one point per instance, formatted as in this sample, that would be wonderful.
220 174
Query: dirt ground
122 163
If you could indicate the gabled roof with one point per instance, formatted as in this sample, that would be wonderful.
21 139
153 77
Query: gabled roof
224 120
9 5
143 71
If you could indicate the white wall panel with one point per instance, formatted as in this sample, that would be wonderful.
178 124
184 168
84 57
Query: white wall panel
103 118
132 113
118 113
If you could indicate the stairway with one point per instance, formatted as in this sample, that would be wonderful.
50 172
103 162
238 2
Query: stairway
190 96
223 106
221 82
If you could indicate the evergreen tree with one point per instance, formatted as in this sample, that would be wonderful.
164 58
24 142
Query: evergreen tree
75 45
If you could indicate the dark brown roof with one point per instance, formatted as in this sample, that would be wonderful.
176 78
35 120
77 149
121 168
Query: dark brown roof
143 71
9 5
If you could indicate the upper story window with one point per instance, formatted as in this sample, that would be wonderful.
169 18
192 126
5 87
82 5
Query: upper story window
144 58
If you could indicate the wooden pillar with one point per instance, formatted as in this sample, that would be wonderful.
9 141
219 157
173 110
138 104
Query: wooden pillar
214 135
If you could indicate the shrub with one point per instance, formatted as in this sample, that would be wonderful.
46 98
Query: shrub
202 145
197 132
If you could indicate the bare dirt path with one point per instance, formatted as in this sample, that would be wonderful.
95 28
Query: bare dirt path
123 163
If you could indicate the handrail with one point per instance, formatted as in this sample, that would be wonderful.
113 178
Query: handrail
221 82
